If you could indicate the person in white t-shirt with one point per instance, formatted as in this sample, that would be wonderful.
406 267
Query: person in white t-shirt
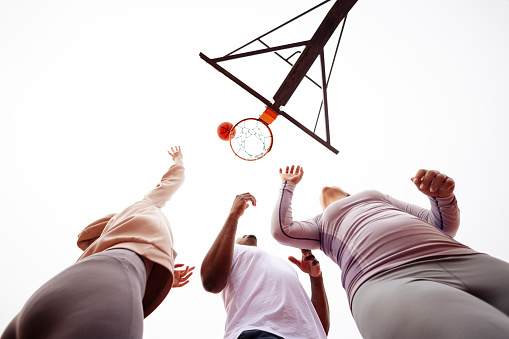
262 294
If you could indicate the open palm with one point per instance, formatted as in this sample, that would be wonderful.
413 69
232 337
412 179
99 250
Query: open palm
292 174
181 277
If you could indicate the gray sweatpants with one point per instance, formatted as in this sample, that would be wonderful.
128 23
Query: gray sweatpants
98 297
447 297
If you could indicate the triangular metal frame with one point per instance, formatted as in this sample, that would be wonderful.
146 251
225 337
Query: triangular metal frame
313 49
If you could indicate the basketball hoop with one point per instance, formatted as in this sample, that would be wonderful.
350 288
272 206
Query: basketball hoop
253 139
312 51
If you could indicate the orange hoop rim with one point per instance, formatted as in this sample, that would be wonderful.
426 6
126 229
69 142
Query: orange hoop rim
238 134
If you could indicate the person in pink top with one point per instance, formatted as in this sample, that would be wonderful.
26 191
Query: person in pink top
404 274
125 272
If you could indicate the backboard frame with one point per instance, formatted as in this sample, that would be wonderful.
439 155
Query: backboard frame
314 48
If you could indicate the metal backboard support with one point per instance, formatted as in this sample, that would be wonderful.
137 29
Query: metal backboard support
313 49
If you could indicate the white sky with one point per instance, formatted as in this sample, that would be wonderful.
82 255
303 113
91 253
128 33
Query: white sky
93 93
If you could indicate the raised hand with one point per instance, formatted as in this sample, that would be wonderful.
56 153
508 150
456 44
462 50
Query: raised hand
241 203
433 183
176 153
181 277
308 264
292 174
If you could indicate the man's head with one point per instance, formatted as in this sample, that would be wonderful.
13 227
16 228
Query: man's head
331 194
247 240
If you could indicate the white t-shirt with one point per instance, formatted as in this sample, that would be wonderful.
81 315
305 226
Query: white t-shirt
263 292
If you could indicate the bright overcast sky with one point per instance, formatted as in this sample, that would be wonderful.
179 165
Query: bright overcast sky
93 94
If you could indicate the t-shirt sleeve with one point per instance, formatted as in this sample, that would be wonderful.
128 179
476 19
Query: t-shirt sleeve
444 213
169 184
236 252
286 231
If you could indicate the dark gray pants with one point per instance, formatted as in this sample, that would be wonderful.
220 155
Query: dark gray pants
447 297
98 297
258 334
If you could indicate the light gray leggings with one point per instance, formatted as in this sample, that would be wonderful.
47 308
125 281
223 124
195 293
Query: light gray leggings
447 297
98 297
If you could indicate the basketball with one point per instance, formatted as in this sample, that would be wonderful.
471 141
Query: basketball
225 131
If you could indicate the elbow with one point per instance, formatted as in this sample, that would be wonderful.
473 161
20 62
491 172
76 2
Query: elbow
211 283
326 329
326 325
278 235
451 228
282 234
452 233
210 286
277 229
325 320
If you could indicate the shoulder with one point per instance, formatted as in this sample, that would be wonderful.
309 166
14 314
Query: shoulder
241 251
363 196
369 195
252 254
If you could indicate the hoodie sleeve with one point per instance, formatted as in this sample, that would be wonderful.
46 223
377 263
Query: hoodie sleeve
169 184
92 232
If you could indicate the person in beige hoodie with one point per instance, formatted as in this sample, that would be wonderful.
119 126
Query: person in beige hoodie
124 273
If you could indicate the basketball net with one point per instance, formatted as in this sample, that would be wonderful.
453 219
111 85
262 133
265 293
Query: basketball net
253 138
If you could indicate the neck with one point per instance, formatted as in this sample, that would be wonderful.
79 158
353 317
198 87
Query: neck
333 198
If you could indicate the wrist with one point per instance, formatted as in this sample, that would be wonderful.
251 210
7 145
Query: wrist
289 185
319 275
234 215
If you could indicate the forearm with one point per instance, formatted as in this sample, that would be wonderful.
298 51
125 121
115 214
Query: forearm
170 183
286 231
319 300
216 265
445 214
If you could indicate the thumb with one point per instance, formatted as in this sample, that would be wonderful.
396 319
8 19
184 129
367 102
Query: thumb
416 182
294 260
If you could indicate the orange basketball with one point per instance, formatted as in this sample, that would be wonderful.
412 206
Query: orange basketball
225 131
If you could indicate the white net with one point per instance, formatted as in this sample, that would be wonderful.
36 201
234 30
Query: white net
253 139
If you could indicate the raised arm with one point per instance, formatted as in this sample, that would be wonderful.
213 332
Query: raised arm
311 266
217 264
286 231
170 182
444 213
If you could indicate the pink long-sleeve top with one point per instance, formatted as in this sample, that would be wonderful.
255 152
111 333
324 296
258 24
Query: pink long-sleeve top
145 230
371 232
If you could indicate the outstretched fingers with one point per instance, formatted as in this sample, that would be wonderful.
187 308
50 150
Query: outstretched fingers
175 153
181 277
186 277
293 174
294 261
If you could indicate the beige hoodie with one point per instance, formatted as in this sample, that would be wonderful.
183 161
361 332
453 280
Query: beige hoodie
144 229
